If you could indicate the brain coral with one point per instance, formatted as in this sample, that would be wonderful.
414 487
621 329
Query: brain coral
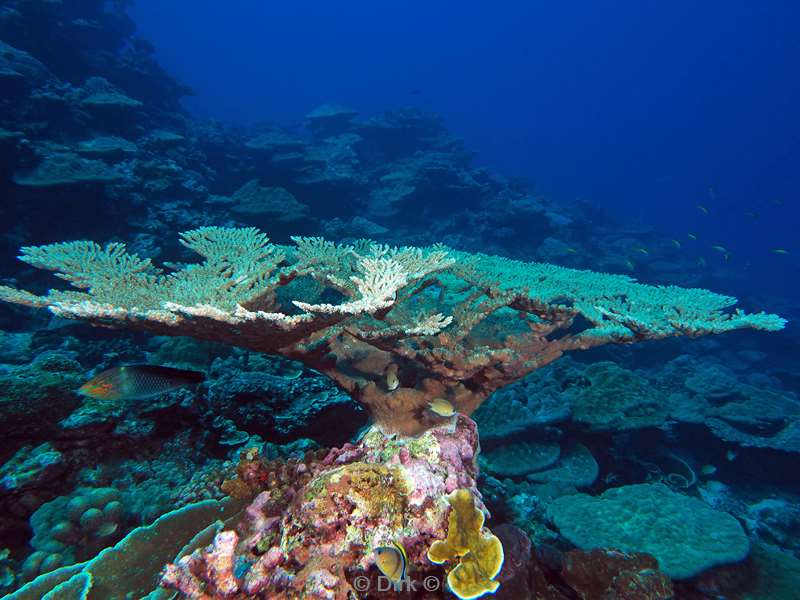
684 534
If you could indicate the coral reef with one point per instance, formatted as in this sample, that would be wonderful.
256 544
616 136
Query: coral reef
31 467
38 394
93 139
616 399
520 458
525 406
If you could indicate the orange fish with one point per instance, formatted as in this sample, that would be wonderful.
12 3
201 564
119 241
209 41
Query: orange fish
138 381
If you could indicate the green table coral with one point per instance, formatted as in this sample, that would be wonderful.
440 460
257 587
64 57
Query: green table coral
683 533
446 324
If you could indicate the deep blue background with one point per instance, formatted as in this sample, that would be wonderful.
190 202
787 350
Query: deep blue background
647 108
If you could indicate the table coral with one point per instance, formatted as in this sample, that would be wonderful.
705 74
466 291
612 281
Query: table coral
394 328
445 324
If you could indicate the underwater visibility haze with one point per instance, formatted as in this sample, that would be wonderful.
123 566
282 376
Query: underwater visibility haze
375 300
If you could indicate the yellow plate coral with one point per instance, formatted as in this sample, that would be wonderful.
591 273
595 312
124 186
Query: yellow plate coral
478 551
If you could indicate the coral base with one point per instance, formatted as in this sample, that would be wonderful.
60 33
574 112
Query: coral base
317 541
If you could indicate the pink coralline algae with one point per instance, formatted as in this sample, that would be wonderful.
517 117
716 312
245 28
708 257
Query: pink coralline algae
381 490
215 564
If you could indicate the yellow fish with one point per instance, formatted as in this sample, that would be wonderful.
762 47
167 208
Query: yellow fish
138 381
722 249
643 251
691 236
702 209
441 407
392 381
677 243
392 561
780 251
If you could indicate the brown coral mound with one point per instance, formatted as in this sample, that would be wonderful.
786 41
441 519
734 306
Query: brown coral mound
604 575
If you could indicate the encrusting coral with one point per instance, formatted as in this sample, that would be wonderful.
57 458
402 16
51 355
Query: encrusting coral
318 539
394 327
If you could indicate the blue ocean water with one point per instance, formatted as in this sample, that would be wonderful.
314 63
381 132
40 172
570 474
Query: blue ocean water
328 402
644 109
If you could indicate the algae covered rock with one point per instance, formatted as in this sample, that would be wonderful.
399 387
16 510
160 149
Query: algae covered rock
31 467
357 498
684 534
599 575
37 395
